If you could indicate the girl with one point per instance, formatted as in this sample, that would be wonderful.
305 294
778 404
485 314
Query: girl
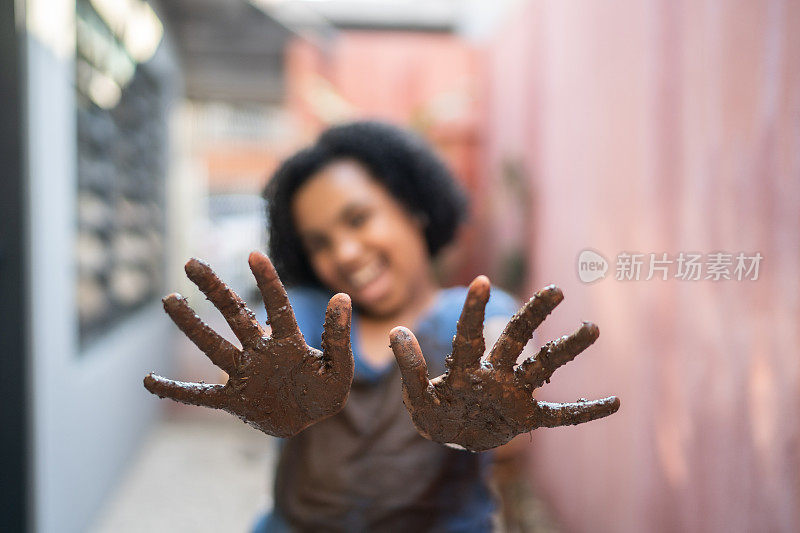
363 212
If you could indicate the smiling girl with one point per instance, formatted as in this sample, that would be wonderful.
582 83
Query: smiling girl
362 213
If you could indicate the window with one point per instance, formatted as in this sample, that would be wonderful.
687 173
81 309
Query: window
122 162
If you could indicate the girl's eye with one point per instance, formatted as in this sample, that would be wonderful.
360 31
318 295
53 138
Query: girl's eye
358 219
316 244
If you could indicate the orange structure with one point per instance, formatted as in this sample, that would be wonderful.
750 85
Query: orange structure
426 81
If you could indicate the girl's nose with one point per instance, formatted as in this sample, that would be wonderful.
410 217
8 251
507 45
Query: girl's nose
348 250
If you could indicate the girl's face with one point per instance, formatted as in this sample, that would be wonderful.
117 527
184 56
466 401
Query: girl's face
360 240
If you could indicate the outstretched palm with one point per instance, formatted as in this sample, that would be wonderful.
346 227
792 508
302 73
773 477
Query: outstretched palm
277 384
478 404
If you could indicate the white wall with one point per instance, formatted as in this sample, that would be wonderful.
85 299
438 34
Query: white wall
90 410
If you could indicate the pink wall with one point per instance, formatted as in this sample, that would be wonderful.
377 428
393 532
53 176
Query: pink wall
662 126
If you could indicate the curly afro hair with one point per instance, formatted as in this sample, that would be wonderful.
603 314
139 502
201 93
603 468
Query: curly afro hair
398 159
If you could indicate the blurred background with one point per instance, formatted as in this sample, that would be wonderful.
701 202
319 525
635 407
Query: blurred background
137 134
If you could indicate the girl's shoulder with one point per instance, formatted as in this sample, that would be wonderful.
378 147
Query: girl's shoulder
500 304
441 320
436 329
306 295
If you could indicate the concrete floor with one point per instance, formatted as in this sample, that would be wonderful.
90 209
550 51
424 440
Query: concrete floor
205 471
197 474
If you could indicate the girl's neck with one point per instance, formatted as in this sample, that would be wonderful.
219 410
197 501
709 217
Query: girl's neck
422 298
373 330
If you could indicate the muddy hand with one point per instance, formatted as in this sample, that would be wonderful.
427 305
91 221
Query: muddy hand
479 405
277 384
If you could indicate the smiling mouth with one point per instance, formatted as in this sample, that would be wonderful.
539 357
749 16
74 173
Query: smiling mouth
365 275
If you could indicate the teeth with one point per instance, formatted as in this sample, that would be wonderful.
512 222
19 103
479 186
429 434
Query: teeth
365 275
